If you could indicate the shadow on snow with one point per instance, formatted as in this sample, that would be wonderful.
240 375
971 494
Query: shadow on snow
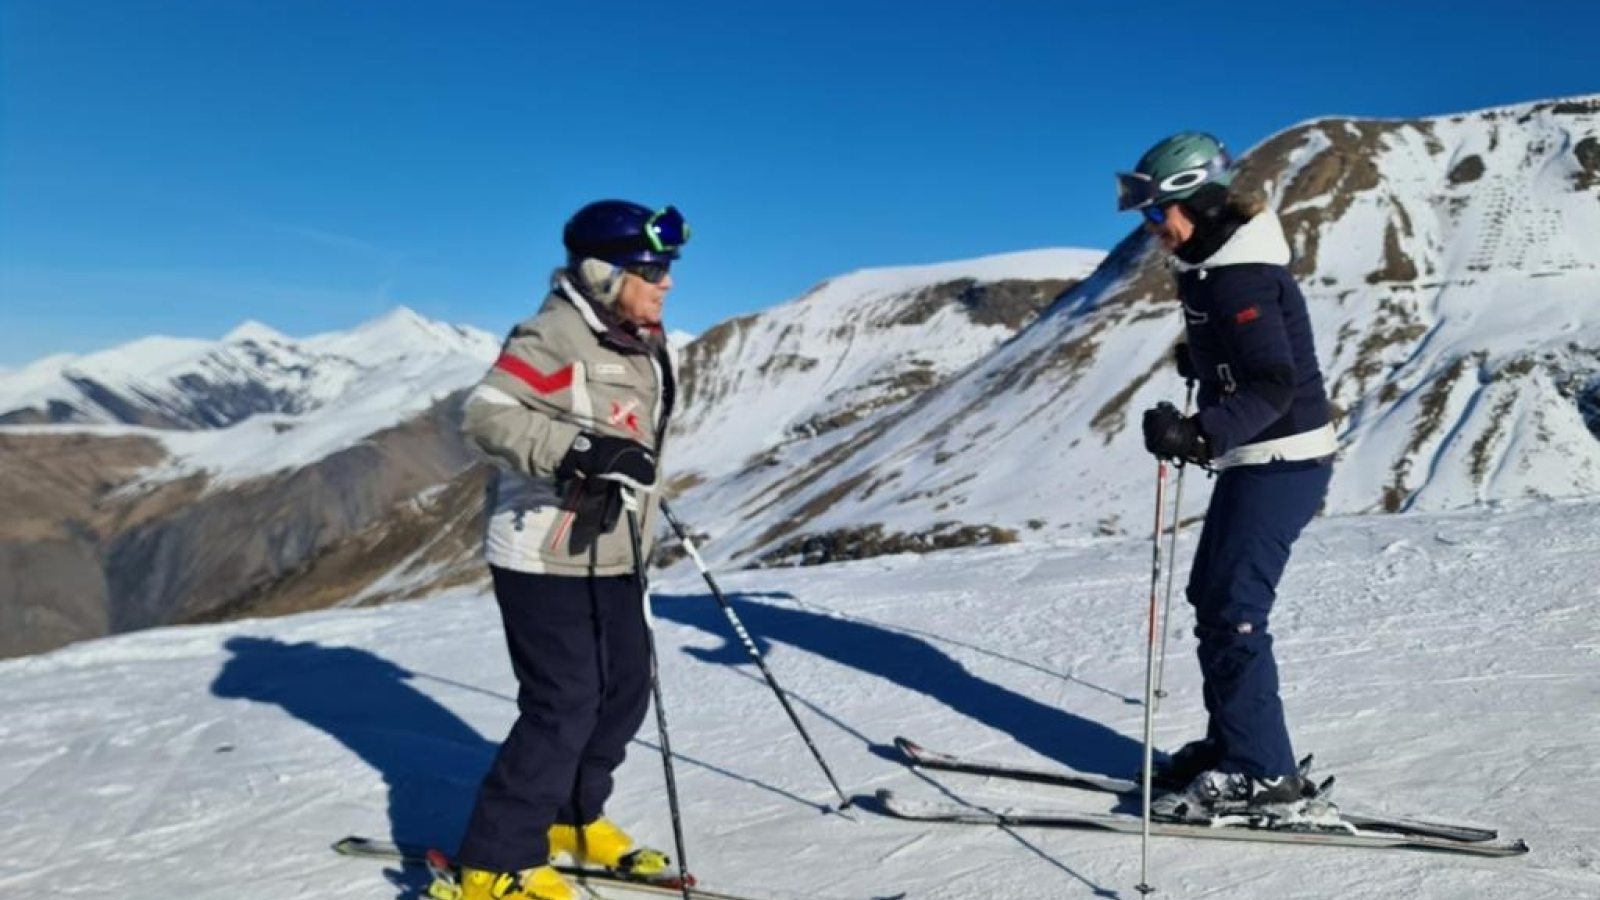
910 662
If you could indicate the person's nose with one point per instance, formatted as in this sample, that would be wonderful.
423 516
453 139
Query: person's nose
666 283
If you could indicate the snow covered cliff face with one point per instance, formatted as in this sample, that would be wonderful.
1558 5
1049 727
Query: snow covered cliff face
1452 267
771 400
852 348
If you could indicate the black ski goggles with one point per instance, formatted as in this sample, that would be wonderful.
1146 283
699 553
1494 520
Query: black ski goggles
653 272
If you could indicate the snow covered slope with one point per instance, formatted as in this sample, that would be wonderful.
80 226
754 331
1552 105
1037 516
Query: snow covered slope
218 762
1452 267
853 347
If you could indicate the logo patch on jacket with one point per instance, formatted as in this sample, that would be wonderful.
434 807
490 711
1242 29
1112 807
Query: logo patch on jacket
610 369
1247 315
626 415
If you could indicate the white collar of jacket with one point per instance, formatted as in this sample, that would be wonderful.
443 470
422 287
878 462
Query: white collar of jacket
596 324
582 303
1259 240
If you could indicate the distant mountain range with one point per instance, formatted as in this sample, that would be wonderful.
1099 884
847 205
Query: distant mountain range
1452 266
186 384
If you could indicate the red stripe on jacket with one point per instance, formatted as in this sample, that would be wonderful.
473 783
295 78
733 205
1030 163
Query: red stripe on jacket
539 381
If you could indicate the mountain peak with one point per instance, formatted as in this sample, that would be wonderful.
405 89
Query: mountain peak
252 330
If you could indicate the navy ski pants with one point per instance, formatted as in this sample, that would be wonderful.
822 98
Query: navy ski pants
1256 513
580 649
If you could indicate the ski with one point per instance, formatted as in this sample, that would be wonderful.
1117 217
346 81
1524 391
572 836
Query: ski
417 855
1063 776
940 811
920 756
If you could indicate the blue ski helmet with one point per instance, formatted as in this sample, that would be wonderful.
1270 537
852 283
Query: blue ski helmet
623 233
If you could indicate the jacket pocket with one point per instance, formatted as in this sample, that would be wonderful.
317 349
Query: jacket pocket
619 404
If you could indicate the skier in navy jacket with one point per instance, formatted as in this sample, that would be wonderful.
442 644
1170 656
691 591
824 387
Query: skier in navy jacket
1263 424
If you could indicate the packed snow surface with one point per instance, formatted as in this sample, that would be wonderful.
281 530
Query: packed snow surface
1444 664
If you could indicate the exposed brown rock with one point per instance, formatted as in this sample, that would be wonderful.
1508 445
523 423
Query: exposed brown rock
55 485
1010 303
870 540
701 355
779 363
1467 170
1429 421
1397 266
93 553
1342 171
1587 152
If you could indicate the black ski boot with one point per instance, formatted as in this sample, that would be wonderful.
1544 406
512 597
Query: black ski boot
1190 761
1212 795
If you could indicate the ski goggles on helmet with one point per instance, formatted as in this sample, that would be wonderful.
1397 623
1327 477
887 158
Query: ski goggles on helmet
1136 190
666 231
652 272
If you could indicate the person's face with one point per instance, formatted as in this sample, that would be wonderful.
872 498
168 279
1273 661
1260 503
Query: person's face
640 301
1176 228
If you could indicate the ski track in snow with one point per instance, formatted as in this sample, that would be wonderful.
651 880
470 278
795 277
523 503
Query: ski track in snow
1442 664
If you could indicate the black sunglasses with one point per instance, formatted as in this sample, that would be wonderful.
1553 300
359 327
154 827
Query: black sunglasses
655 273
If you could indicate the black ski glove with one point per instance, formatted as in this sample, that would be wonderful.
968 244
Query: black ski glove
596 507
598 456
1169 435
1184 362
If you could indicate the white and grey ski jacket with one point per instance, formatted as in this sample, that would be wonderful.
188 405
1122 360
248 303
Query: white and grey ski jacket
570 369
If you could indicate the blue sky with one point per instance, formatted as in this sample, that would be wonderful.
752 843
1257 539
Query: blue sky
180 166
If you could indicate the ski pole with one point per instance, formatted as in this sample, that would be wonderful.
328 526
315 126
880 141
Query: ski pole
750 645
1172 558
639 575
1149 680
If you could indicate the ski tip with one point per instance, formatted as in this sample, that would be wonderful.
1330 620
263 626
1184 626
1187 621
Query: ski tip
907 746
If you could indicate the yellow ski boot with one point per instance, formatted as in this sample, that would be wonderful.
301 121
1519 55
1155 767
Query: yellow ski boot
601 843
542 883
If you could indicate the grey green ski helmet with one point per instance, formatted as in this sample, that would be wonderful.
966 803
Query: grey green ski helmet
1173 170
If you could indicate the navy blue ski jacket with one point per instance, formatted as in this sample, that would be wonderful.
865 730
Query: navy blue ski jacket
1250 340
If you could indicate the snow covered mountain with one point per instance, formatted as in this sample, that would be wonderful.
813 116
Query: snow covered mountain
1451 264
254 474
345 482
175 383
853 348
1452 267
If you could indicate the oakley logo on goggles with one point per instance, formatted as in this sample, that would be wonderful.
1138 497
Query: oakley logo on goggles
1136 190
666 231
